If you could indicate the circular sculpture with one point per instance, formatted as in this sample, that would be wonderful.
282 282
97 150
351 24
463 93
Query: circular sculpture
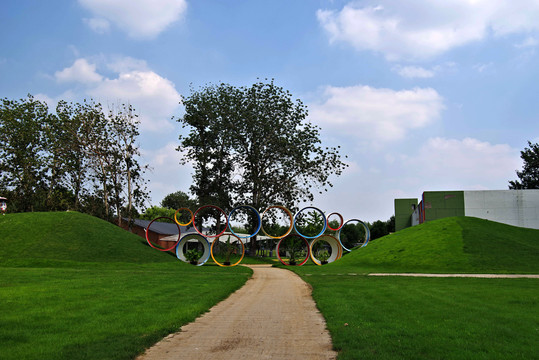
156 246
257 215
201 239
301 239
323 217
341 223
336 248
242 250
187 223
367 233
213 207
289 216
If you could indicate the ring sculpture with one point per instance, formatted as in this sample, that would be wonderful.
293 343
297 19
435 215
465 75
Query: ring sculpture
289 237
201 239
157 246
336 249
335 242
367 234
242 250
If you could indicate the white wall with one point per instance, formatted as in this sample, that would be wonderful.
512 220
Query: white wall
513 207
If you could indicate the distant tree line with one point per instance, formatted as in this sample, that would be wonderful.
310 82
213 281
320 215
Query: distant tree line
80 157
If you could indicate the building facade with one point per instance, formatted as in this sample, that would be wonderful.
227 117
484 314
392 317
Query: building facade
512 207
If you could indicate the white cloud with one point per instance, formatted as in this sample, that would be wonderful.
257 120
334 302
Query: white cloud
421 29
376 114
99 25
529 42
138 18
81 71
154 98
483 67
464 164
413 72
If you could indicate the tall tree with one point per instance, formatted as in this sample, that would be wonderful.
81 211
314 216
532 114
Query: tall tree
529 176
23 165
256 144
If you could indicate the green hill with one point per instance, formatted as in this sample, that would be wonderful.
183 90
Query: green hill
457 244
56 238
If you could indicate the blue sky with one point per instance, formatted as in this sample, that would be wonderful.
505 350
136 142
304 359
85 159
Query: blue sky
421 95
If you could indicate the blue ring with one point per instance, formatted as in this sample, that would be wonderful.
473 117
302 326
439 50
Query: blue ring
323 216
367 233
257 214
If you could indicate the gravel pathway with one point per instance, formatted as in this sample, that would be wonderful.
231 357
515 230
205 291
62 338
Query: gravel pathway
273 316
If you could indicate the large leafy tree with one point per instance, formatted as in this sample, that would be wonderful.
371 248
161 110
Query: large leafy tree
254 145
529 176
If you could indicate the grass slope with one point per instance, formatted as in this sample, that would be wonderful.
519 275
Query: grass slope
433 318
450 245
75 287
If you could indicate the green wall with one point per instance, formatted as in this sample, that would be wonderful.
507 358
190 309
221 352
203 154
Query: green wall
441 204
403 213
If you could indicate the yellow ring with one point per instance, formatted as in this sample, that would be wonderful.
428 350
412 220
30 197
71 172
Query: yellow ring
179 223
242 251
323 238
289 216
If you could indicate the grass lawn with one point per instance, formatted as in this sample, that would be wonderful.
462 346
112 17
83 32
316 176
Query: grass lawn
428 318
74 287
433 318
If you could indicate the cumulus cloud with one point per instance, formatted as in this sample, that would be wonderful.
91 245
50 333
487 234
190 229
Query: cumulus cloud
422 29
376 113
465 164
81 71
99 25
138 18
155 98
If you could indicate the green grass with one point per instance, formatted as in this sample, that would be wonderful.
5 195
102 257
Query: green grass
434 318
450 245
75 287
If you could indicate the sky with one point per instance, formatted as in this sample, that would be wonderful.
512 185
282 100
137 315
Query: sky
420 95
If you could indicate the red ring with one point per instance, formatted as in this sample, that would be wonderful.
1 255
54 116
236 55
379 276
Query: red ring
148 240
340 226
308 249
215 207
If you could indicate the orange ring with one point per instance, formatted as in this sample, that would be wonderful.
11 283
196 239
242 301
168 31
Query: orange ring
179 223
242 251
289 216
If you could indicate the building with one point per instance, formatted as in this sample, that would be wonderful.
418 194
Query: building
512 207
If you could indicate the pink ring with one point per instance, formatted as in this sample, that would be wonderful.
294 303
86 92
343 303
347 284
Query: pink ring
214 207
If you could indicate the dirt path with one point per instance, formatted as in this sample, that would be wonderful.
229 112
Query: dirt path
273 316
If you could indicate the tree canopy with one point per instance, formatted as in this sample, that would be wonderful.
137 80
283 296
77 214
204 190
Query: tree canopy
529 176
77 158
254 146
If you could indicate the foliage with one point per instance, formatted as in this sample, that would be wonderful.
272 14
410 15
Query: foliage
156 211
253 145
177 200
78 158
193 255
529 176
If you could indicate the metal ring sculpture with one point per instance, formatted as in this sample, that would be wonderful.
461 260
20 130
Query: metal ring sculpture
257 214
213 207
323 217
336 248
340 217
187 223
242 250
289 216
287 237
367 233
201 239
157 247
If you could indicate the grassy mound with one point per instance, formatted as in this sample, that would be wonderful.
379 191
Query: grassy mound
56 238
450 245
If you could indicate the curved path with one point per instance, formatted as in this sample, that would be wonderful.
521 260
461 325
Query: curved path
273 316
